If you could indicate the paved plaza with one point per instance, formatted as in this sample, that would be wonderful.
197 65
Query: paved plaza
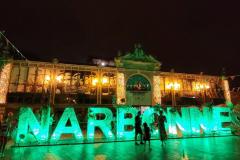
213 148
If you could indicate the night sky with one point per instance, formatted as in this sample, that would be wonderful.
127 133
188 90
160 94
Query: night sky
189 36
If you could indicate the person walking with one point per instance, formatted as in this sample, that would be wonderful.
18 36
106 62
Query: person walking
138 129
161 125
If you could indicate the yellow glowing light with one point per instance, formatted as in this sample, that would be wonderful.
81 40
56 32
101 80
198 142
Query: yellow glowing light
121 92
207 86
94 81
227 94
59 78
156 90
174 86
47 78
104 80
169 86
200 86
4 82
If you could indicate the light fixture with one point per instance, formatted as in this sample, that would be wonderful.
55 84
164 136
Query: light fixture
207 86
174 86
169 85
104 80
47 78
59 78
200 86
94 81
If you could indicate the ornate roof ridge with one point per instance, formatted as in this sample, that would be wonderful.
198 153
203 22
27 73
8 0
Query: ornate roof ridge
138 59
139 55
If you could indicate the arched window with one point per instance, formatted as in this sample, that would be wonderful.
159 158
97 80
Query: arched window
138 83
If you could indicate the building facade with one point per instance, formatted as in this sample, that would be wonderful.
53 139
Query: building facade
136 80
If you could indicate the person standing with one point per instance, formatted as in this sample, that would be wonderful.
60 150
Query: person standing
147 134
3 136
138 129
161 125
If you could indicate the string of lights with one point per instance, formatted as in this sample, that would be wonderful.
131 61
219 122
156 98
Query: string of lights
12 46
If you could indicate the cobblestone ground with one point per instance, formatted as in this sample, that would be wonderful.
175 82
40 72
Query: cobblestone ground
225 148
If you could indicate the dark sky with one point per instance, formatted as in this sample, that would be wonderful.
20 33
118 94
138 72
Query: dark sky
187 35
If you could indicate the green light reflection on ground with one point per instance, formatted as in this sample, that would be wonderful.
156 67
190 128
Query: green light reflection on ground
192 148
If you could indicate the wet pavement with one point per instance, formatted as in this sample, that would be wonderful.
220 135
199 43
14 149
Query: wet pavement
212 148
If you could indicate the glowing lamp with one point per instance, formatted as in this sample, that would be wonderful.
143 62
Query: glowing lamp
104 80
47 78
94 81
207 86
169 86
174 86
59 78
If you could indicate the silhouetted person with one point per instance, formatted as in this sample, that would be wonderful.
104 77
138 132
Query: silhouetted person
162 131
147 134
3 137
138 129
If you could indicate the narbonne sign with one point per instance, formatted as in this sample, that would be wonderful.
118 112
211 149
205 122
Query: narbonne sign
189 122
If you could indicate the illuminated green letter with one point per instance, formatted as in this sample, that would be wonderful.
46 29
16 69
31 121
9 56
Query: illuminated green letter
61 128
103 124
200 120
148 117
182 122
221 115
29 129
123 122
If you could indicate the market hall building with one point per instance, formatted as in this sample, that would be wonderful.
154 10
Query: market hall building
136 79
